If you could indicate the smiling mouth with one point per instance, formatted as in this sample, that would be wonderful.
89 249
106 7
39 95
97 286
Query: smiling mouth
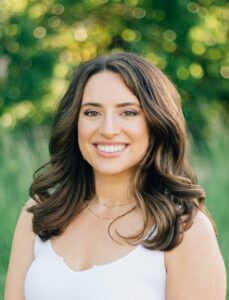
111 148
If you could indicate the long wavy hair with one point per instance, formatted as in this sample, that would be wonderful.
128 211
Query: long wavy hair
163 183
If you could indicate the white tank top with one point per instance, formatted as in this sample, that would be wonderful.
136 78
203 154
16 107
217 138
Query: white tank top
138 275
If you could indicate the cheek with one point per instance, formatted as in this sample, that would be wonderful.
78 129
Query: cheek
84 130
85 135
140 131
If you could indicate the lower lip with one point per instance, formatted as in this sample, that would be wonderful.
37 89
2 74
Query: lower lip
110 154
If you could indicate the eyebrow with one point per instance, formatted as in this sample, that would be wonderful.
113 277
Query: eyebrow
118 105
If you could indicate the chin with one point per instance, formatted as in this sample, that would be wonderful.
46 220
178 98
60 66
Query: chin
113 171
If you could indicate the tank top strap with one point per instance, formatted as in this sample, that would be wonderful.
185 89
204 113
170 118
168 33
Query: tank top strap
39 246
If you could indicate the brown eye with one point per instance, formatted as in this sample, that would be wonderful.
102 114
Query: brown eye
91 113
130 113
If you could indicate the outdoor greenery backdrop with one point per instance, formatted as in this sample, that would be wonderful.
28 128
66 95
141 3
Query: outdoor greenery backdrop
42 41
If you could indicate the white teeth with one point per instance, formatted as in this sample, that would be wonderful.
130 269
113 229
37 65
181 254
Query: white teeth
111 148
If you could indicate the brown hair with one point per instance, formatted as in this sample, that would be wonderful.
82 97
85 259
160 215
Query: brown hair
163 183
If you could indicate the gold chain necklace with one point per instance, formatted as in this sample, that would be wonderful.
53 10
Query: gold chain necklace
99 216
108 206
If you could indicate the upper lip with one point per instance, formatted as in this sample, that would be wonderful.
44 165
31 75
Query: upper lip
110 143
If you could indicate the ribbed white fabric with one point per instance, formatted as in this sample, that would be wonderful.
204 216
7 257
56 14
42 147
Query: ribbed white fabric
138 275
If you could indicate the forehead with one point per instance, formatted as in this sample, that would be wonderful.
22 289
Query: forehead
106 87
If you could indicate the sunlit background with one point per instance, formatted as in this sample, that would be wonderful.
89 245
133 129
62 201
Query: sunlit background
41 42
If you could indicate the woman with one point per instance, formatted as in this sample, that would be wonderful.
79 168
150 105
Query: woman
116 213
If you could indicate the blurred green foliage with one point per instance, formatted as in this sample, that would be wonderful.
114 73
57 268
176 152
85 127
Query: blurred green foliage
41 41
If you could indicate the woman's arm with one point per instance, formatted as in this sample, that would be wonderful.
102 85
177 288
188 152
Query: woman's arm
195 268
21 255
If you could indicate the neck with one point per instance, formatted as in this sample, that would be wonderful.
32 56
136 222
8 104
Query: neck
113 190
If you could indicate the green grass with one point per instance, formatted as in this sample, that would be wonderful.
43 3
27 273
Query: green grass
23 152
211 166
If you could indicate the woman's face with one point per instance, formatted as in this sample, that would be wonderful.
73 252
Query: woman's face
113 135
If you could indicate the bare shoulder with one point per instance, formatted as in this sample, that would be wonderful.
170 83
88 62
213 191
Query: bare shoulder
21 254
24 225
201 229
199 236
195 268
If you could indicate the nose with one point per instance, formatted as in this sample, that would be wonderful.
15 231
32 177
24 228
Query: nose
109 126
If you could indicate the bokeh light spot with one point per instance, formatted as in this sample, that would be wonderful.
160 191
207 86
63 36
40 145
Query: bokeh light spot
39 32
54 21
193 7
224 71
23 110
169 46
6 120
182 73
57 9
202 12
198 48
130 35
139 13
196 70
80 34
170 35
12 46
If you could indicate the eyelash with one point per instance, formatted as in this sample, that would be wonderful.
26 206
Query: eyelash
86 113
